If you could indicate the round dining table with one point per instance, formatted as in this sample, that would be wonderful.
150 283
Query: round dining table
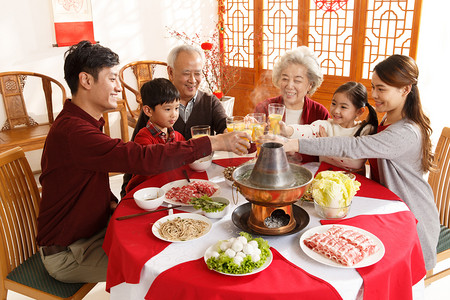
141 266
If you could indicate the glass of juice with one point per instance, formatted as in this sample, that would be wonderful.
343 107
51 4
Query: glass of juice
235 123
276 112
200 130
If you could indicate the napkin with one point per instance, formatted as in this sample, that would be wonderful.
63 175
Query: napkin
280 280
402 265
368 188
232 162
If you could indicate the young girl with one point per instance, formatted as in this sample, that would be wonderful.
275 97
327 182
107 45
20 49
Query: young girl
348 104
401 149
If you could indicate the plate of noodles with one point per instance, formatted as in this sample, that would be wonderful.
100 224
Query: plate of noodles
181 227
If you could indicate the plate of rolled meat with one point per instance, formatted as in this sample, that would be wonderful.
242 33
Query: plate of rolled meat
342 246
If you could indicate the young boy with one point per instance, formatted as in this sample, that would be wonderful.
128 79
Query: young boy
161 101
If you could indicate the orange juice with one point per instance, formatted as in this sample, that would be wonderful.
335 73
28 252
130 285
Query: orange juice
230 127
198 136
274 120
239 126
257 131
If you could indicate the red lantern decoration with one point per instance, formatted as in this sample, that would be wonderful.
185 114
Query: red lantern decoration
206 46
218 94
330 5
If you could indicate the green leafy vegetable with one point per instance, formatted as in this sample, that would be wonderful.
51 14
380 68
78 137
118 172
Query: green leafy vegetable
333 189
206 204
226 264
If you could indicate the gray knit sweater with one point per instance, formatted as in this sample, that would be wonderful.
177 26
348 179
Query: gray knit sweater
398 150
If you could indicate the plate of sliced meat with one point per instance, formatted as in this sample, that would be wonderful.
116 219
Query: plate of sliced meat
181 191
342 246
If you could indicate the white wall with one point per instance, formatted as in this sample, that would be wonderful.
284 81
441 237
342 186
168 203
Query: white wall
136 30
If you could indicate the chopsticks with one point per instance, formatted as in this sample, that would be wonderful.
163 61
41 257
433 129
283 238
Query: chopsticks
145 213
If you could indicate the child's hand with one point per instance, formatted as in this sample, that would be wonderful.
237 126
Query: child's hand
322 132
285 130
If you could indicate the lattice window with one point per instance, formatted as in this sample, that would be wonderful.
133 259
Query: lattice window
388 31
238 33
330 36
280 29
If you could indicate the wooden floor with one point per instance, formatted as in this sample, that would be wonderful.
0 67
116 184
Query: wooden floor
435 291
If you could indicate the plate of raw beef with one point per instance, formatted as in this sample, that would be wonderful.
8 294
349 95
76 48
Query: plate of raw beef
342 246
181 191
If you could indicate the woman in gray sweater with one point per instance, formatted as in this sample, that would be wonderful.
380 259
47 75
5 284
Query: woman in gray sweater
401 150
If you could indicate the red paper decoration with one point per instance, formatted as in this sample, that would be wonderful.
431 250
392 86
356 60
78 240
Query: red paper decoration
330 5
206 46
218 94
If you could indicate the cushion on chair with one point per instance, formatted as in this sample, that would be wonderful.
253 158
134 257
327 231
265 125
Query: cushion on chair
444 239
32 273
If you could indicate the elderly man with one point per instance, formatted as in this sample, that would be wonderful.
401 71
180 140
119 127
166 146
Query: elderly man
185 64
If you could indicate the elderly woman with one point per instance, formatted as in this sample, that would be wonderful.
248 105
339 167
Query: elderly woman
297 74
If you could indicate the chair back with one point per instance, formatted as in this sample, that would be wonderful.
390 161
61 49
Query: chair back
17 90
440 180
12 85
143 71
19 207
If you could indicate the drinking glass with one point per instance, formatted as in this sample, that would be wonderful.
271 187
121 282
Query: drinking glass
200 130
235 123
257 122
276 112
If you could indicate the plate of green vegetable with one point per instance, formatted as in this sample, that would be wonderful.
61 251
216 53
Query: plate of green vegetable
239 256
214 207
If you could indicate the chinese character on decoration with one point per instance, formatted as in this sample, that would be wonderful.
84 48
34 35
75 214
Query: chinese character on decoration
330 5
219 77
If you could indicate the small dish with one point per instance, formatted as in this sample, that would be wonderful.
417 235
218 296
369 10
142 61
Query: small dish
331 212
149 198
201 164
218 214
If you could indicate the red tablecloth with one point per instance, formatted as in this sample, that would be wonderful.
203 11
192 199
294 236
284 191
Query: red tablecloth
395 274
126 260
280 280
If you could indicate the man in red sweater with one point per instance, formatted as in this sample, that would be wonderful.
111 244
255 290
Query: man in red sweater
76 199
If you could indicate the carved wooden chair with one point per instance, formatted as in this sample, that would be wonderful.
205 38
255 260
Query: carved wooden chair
143 71
122 109
440 183
21 267
20 129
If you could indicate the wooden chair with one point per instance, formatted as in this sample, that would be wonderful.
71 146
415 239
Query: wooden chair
440 183
122 109
143 71
20 129
21 267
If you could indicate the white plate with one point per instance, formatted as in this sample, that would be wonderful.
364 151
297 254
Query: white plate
183 182
156 225
372 259
257 270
